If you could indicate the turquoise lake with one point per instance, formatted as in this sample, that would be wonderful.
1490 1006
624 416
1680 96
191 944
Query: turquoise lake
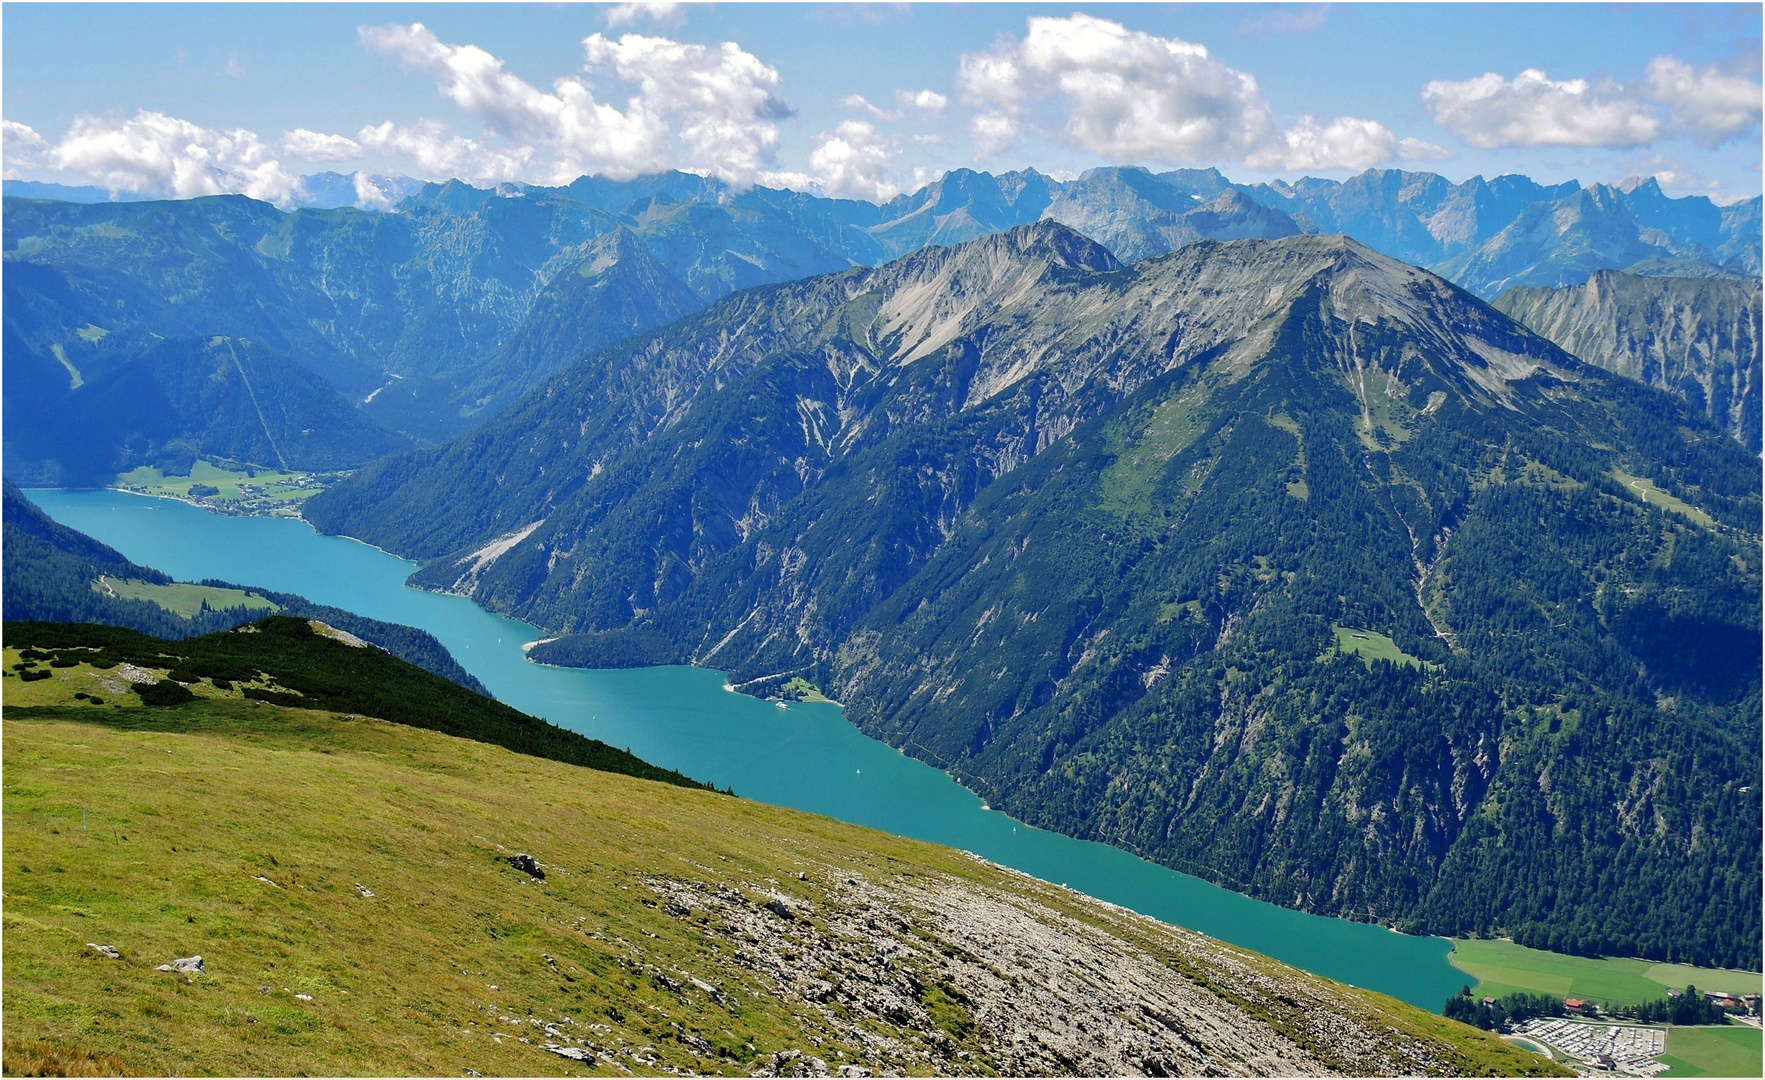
805 756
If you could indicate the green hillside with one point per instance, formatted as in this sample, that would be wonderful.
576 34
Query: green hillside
348 886
285 661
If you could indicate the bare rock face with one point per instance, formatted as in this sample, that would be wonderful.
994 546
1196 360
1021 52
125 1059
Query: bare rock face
959 979
1695 337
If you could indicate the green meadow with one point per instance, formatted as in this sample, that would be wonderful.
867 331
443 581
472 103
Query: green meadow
182 598
1713 1051
1647 491
262 483
1370 646
1502 967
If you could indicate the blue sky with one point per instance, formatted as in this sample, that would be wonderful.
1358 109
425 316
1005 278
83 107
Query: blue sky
866 100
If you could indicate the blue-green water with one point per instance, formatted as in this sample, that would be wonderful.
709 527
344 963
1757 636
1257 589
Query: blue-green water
805 756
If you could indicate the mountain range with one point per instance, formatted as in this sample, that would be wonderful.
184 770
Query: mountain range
433 316
1279 561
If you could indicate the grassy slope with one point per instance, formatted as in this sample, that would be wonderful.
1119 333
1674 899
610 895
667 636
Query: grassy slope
1713 1051
1503 967
298 663
1370 646
184 810
182 598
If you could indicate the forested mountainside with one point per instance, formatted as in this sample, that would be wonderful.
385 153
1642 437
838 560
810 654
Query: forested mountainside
52 573
1695 337
80 418
433 317
1099 539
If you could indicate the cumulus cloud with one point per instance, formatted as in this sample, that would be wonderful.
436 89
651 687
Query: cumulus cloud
1705 103
1343 143
854 162
439 153
316 146
662 12
924 100
725 101
156 154
1532 109
1132 96
1673 99
1128 94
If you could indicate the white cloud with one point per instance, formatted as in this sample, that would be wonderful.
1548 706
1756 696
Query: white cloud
442 155
1705 103
724 100
1532 109
661 12
369 195
1287 21
316 146
1422 150
1135 97
925 100
852 162
860 103
21 148
1128 94
234 69
156 154
1343 143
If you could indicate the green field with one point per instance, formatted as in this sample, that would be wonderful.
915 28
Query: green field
1370 646
1713 1051
181 598
265 484
801 689
1649 493
1502 967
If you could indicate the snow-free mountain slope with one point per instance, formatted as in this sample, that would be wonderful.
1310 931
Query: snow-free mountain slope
1695 337
1090 536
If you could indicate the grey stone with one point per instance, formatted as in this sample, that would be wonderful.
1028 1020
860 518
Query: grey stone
190 964
526 864
109 951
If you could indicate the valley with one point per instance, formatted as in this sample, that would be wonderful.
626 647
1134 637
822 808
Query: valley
1216 456
812 540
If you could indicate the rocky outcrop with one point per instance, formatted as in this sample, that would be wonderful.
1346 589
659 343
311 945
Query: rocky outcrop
1698 338
955 978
